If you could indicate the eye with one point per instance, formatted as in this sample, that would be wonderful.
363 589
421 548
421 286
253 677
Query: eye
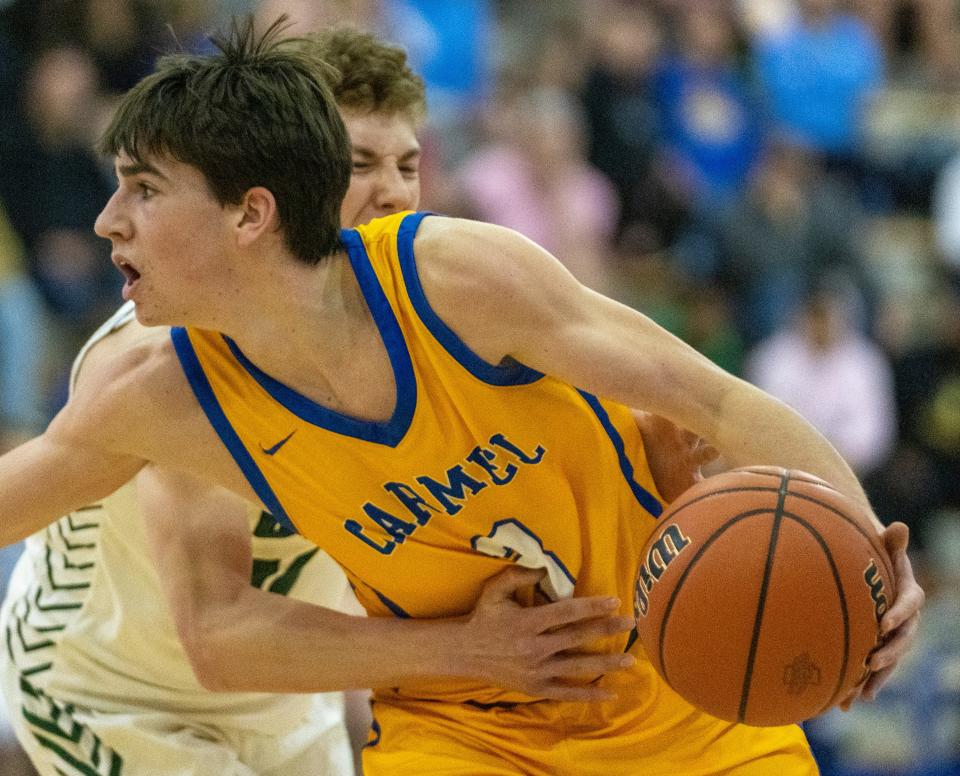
361 166
146 192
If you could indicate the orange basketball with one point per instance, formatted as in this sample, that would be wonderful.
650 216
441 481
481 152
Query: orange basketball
759 595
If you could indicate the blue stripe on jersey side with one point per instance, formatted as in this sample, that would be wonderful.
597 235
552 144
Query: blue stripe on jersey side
377 734
214 412
388 433
647 500
393 607
514 374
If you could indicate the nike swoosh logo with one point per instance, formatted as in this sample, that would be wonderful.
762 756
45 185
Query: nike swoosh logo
278 445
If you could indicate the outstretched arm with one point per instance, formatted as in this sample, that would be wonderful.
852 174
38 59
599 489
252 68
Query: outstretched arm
53 474
505 296
241 638
91 448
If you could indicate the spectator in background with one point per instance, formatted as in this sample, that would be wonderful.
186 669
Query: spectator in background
709 327
834 376
791 225
118 35
655 284
711 126
121 35
533 177
649 281
818 74
448 44
310 15
65 189
921 477
21 344
920 38
623 122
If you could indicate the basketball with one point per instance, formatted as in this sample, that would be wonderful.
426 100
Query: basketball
759 595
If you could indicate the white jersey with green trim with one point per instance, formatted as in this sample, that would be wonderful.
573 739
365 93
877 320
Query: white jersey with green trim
85 619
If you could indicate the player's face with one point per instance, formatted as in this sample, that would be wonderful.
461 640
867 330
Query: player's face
169 236
386 167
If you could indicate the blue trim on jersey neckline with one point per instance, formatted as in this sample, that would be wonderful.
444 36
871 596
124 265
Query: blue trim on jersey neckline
513 374
214 412
388 432
646 499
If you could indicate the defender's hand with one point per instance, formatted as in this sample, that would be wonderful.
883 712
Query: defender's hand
537 649
675 455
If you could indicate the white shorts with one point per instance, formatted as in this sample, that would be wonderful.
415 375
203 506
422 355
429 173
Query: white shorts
64 739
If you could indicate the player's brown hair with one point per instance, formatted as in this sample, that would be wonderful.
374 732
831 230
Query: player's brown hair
370 76
259 112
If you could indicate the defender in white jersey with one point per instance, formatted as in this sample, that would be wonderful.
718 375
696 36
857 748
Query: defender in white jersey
95 675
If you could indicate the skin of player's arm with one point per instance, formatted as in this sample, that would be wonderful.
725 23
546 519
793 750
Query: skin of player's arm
242 638
78 460
505 296
51 475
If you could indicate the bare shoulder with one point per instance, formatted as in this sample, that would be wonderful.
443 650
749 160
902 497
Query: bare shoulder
129 384
453 251
488 282
130 338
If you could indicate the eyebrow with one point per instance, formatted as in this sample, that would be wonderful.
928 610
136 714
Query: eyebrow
366 152
137 168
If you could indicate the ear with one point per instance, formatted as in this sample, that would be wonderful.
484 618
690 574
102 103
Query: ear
256 215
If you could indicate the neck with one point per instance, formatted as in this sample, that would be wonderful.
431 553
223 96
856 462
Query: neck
287 320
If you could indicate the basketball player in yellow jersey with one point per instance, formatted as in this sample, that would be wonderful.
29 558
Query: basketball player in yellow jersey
403 393
92 670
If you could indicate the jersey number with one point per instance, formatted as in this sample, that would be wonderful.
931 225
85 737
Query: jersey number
511 539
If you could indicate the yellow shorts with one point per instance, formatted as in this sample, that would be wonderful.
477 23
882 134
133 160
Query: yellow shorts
647 729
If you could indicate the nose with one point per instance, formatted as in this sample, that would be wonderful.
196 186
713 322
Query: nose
393 192
111 224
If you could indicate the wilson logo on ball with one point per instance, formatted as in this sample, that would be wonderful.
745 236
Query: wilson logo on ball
662 552
872 577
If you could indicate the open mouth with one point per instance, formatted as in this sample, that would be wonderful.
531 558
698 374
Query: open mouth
129 272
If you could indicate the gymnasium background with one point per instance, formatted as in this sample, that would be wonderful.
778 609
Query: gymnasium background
775 181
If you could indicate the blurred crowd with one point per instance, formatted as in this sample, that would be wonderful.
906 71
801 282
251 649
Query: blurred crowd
777 182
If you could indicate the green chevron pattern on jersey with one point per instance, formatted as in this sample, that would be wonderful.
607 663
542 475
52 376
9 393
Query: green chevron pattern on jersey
76 749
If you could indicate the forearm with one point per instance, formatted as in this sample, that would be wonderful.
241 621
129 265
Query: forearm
45 478
269 643
756 428
260 642
746 425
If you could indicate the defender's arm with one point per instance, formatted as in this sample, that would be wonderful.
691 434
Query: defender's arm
242 638
54 474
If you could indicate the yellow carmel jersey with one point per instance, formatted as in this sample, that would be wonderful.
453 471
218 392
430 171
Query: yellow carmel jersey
480 466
